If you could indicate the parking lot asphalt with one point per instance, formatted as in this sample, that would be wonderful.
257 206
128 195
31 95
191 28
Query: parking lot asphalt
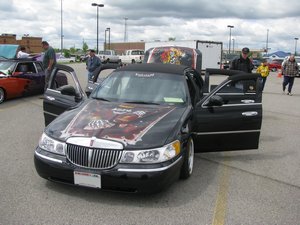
252 187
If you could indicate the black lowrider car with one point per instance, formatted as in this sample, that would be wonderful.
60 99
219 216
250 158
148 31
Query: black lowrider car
139 129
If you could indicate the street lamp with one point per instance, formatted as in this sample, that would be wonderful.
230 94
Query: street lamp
97 5
267 42
125 31
296 39
230 26
105 40
61 27
108 29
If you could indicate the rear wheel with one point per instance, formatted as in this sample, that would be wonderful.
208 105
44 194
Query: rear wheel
188 164
2 95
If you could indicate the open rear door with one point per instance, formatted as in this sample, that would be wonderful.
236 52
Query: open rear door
229 117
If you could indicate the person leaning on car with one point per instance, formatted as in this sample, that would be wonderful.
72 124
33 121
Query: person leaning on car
92 63
22 53
49 61
243 63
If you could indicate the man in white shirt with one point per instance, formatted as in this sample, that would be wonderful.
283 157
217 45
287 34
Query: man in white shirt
22 53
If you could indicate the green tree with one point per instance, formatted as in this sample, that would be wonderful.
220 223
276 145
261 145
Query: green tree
85 47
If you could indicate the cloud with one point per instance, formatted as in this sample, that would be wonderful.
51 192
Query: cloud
156 20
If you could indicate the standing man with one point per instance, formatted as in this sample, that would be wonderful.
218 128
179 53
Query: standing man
243 63
49 61
92 63
290 69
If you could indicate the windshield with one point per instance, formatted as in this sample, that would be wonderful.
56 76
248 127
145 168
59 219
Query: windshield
143 88
137 52
6 66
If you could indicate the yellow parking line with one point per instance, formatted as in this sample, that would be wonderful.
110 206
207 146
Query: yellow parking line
221 202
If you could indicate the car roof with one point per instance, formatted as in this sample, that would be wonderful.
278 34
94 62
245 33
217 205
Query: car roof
155 67
21 60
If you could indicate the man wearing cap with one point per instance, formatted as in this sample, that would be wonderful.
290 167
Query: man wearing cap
243 63
92 64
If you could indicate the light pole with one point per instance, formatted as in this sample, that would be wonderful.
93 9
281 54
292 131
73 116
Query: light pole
108 29
296 39
267 42
105 40
230 27
61 27
232 45
125 31
97 5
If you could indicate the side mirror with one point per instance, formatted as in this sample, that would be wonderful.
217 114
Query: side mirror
67 90
215 100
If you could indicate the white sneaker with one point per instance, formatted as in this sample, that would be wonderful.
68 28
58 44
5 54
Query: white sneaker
289 93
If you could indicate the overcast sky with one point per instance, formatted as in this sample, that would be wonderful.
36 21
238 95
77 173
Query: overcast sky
151 20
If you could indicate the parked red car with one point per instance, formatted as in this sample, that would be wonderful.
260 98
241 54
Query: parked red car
275 64
22 77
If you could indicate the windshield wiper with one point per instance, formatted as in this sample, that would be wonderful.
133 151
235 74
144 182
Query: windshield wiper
142 102
103 99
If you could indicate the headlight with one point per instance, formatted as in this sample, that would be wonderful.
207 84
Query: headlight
156 155
48 144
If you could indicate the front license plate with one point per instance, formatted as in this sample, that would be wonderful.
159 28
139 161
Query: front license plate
87 179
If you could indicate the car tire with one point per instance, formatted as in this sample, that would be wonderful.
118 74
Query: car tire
188 163
133 61
2 95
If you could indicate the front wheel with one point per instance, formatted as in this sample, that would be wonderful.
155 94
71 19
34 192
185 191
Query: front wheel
2 95
188 164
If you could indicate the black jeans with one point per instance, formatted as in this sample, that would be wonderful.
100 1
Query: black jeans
287 80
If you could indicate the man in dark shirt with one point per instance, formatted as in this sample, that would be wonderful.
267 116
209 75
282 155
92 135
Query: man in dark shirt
49 61
243 63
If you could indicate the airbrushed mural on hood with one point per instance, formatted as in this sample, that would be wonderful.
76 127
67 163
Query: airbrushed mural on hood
125 123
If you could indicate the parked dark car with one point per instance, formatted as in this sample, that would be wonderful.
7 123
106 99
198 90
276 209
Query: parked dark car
139 129
256 63
22 77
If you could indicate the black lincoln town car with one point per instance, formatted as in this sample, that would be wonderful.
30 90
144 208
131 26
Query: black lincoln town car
139 129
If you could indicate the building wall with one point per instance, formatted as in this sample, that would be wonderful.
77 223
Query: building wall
120 48
32 44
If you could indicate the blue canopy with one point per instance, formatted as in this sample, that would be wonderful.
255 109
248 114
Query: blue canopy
8 51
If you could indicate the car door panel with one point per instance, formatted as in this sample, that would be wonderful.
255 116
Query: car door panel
55 103
234 125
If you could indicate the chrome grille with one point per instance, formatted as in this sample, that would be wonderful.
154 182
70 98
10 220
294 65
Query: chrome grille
93 158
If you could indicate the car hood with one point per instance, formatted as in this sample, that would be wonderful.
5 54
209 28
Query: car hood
136 126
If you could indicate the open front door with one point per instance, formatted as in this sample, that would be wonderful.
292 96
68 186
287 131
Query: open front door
230 116
63 92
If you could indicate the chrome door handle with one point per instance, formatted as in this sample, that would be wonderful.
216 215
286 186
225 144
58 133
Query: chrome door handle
50 98
247 101
250 113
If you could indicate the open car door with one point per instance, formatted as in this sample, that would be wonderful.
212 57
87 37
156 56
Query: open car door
229 116
63 92
99 75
